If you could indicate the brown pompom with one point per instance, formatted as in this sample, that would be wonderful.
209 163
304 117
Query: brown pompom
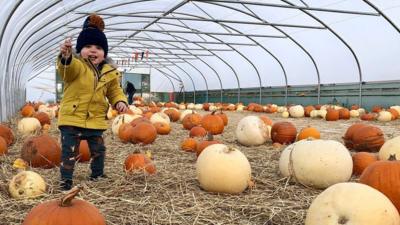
96 21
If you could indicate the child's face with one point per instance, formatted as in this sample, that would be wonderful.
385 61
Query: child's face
94 53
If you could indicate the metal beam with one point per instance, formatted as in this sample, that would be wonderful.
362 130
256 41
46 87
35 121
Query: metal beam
169 48
210 20
291 7
179 41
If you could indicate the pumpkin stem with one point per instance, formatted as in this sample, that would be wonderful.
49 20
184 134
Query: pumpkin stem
392 157
213 112
210 137
66 200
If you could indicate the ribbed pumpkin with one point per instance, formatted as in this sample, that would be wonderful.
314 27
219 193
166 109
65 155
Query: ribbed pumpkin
384 176
348 136
84 151
162 128
362 160
223 116
308 132
139 162
191 120
197 132
332 115
66 211
144 133
125 132
7 134
189 145
27 111
213 123
368 138
3 146
173 114
344 114
43 118
41 151
283 132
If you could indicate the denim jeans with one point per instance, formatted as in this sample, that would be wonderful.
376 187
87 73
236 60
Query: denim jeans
70 139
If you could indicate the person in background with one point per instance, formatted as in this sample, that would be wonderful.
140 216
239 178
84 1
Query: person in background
90 84
130 90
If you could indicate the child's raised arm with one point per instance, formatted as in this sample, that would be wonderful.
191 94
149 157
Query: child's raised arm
65 48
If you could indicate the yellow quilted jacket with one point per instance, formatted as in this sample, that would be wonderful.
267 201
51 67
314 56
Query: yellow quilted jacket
87 93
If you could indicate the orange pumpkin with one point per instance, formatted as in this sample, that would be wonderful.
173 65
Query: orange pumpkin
318 107
197 132
162 128
223 116
213 124
7 134
173 114
84 152
139 120
283 133
144 133
368 116
348 136
206 106
354 107
384 176
266 120
258 108
308 109
189 145
344 114
376 108
139 162
394 113
125 132
27 111
368 138
191 120
332 115
148 114
3 146
65 212
36 105
309 132
43 118
155 109
41 151
362 160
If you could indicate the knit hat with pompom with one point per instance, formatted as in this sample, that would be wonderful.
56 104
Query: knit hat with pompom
92 34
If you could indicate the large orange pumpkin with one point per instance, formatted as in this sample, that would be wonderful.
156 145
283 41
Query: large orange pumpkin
283 133
162 128
348 136
66 211
384 176
41 151
139 162
27 111
368 138
144 133
84 151
3 146
43 118
191 120
7 134
309 132
213 124
197 132
362 160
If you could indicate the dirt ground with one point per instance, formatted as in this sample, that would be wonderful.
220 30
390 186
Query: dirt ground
173 195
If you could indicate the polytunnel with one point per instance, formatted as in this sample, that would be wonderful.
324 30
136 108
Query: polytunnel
276 51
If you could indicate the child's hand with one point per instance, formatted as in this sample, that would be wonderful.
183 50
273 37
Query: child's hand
65 48
121 107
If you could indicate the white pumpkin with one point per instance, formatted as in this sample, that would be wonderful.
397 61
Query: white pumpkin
314 113
135 110
282 109
352 203
296 111
120 119
182 106
223 169
184 113
361 111
354 113
316 163
384 116
27 184
190 106
240 108
198 106
160 117
322 113
213 108
285 114
390 147
252 131
29 126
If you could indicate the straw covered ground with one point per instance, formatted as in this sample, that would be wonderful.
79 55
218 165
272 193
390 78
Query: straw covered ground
173 195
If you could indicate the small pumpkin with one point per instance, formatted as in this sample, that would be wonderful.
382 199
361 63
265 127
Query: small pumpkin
368 116
348 136
84 152
43 118
344 114
7 134
390 147
197 131
27 184
144 133
223 116
173 114
332 115
66 211
29 126
308 132
213 124
125 132
283 132
191 120
41 151
368 138
162 128
189 145
139 162
27 111
3 146
252 131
